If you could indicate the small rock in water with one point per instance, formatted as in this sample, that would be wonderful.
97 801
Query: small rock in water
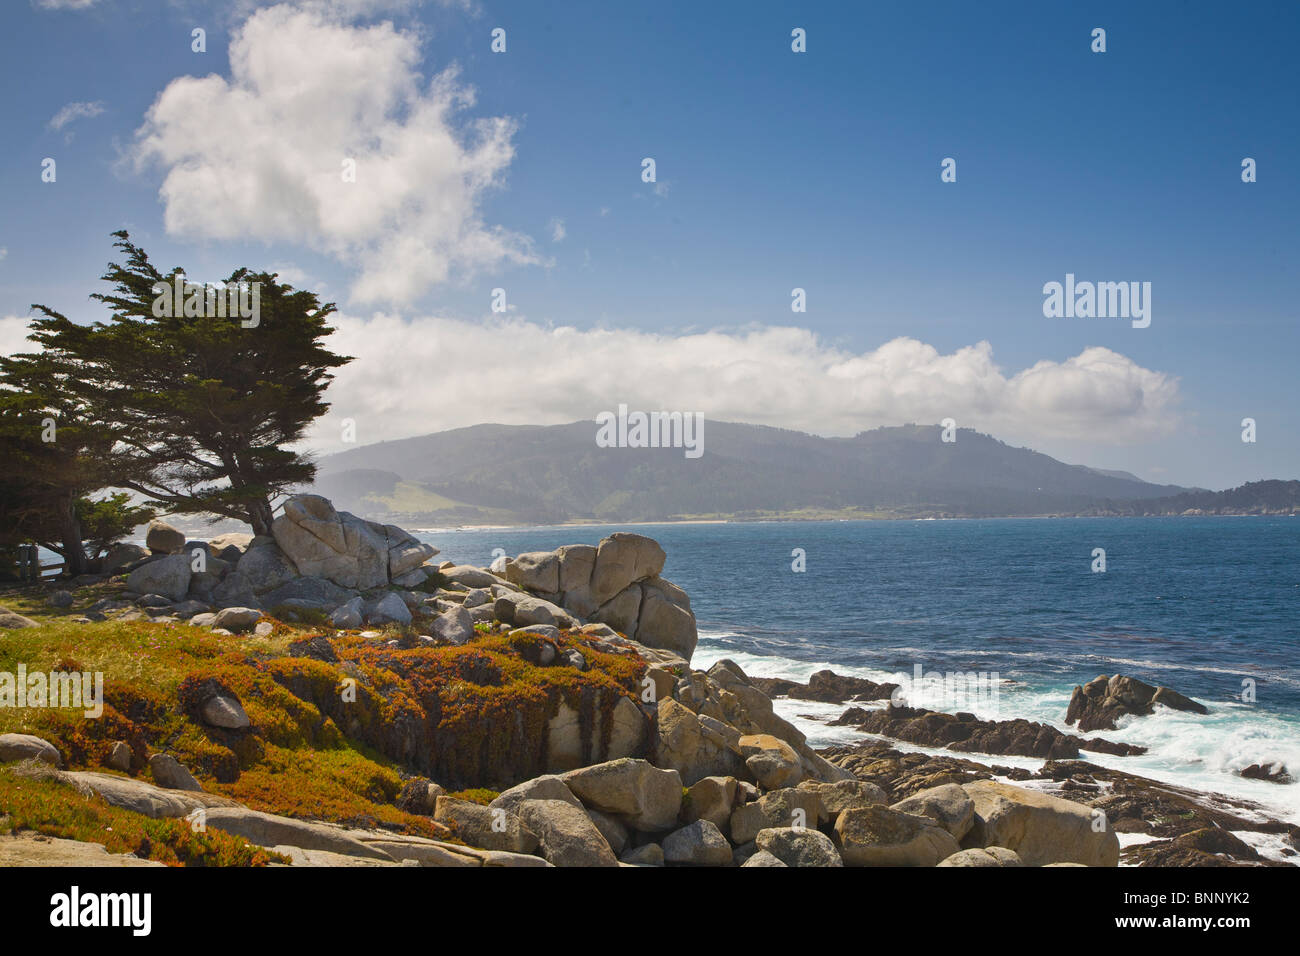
1274 773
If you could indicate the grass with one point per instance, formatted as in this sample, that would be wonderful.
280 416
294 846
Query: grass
328 741
409 497
477 795
57 810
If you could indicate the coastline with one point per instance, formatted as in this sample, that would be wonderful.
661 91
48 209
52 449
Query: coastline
198 532
1186 756
1263 825
820 519
1280 801
540 672
1187 772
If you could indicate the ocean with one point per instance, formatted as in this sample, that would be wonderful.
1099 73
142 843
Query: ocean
1207 606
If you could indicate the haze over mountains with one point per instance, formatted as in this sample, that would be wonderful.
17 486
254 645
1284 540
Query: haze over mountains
523 474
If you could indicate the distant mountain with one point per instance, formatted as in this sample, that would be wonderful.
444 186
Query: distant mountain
526 474
1253 498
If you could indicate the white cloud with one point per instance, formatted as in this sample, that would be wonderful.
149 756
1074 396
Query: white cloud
65 4
261 155
299 278
75 111
408 379
356 9
558 232
13 336
4 251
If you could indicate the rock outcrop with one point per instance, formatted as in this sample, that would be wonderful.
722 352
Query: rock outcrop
15 747
564 676
880 836
344 549
946 811
480 826
1274 773
1100 702
1039 827
358 572
617 583
1210 846
171 774
992 856
969 734
162 538
29 849
826 686
12 621
948 805
635 791
798 846
697 844
168 575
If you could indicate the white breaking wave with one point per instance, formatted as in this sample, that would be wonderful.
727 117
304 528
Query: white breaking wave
1201 753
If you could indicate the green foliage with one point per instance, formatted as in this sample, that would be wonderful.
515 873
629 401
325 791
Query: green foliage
202 409
308 616
471 717
107 520
45 806
477 795
56 454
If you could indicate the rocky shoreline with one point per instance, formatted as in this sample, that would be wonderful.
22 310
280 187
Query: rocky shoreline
544 712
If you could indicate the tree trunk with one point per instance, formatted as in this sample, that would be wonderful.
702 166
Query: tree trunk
259 516
74 555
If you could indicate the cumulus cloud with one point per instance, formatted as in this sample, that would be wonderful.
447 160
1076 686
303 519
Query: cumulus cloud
290 274
13 336
65 4
267 153
558 232
75 111
411 378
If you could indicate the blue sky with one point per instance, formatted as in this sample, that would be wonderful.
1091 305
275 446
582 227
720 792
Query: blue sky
775 170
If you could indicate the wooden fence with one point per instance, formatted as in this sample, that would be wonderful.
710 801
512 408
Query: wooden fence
30 569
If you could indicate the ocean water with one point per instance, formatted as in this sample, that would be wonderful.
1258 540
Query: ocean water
1207 606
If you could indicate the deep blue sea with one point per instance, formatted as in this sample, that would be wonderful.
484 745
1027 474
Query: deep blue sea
1199 604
